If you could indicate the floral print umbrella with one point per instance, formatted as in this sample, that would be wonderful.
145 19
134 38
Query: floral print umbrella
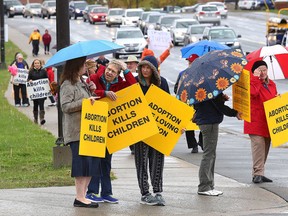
209 75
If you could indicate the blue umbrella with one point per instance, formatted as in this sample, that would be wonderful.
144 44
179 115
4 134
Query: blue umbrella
201 47
209 75
89 49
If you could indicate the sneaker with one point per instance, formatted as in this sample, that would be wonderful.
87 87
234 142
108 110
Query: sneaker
217 192
208 193
17 105
25 105
160 199
52 104
94 198
195 150
109 199
148 199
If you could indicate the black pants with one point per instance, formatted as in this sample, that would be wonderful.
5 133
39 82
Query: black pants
46 47
35 44
38 103
191 140
17 99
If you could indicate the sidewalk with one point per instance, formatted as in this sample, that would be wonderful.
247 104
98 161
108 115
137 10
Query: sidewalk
180 184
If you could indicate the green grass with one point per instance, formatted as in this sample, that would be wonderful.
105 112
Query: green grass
25 149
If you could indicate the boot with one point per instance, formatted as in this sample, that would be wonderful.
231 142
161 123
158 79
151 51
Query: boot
35 113
42 117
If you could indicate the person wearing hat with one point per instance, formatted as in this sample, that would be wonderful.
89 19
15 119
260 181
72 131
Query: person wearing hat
190 134
132 63
261 89
35 38
144 154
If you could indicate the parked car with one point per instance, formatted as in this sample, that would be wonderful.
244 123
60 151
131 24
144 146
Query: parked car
208 14
32 9
255 4
179 28
13 8
221 7
222 34
98 14
151 21
114 16
131 16
87 10
165 22
48 9
76 9
132 39
194 33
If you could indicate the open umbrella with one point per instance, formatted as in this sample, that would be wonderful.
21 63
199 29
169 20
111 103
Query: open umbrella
276 58
202 47
209 75
90 49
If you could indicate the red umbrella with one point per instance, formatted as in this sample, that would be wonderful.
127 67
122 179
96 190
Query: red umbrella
276 58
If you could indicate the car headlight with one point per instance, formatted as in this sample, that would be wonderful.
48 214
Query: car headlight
112 19
151 26
193 39
95 17
178 33
12 8
236 44
77 10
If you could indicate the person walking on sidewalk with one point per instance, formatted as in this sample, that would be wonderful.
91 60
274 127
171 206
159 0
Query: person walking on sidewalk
107 84
261 89
146 156
72 91
19 62
46 37
190 134
36 72
209 114
35 38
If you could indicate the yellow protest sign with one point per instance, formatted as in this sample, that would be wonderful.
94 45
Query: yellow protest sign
93 134
129 119
191 125
241 95
171 115
276 111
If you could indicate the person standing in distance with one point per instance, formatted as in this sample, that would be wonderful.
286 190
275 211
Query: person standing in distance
46 37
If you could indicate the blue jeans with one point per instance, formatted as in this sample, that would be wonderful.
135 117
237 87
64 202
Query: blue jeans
104 180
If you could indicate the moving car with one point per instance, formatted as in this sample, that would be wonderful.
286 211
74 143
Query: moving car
179 28
114 16
32 9
131 16
98 14
48 9
208 14
222 34
76 9
165 22
142 18
194 33
13 8
132 39
151 21
87 10
221 7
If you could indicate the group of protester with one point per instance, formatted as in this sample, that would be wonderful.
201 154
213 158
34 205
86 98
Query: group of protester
36 38
91 172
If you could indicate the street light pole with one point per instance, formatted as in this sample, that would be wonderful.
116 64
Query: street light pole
2 35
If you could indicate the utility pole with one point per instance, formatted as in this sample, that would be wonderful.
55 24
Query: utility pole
2 35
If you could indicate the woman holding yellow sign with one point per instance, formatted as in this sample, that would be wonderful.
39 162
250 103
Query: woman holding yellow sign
73 90
144 154
261 89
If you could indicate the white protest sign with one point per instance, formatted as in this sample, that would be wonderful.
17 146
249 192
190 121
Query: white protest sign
159 40
21 76
38 89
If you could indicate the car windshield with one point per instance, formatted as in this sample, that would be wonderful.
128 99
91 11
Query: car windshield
144 16
209 8
99 10
168 20
14 3
154 18
197 30
80 5
36 6
185 24
222 34
116 12
129 34
134 14
51 4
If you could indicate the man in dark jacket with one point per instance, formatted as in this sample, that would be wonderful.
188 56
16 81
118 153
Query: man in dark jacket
209 114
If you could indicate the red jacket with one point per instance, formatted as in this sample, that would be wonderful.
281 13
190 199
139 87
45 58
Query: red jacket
101 86
46 38
259 94
50 74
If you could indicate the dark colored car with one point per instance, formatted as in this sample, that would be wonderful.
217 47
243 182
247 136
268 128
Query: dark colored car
87 10
13 8
48 9
76 9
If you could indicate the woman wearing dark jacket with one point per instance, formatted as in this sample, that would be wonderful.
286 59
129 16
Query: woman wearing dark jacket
37 72
209 114
144 154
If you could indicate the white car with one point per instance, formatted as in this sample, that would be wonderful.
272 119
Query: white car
131 16
114 16
208 14
132 39
221 7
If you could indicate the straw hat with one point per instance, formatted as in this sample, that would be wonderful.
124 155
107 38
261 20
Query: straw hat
132 58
